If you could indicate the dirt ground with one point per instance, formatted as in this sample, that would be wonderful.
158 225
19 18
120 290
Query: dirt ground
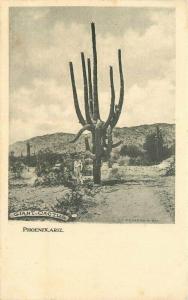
134 202
131 194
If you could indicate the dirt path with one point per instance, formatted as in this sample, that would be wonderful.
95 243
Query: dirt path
142 203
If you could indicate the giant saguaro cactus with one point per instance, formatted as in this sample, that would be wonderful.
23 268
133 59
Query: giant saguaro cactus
101 132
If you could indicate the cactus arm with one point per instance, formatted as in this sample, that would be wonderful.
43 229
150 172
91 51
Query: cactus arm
91 109
88 118
89 79
90 88
75 97
117 144
111 113
113 145
84 128
96 114
121 96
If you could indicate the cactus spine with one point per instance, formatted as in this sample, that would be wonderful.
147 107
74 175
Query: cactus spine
101 131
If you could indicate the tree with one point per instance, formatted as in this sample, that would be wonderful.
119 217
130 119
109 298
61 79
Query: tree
101 131
154 145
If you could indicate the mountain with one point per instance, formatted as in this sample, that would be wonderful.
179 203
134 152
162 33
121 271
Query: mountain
59 142
137 134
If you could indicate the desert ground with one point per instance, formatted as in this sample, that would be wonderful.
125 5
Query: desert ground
128 194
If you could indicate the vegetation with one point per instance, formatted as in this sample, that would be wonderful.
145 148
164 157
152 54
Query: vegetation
71 201
17 168
54 169
101 132
153 152
46 159
170 171
155 147
130 150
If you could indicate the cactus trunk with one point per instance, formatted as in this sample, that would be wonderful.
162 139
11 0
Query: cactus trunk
97 171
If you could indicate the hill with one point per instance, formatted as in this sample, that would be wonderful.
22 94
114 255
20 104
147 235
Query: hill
59 142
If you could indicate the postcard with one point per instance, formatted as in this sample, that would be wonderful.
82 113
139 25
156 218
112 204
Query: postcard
93 150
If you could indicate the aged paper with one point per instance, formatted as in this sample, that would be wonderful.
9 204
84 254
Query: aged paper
93 150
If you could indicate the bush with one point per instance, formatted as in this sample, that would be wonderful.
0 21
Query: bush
171 168
76 200
54 177
155 147
71 202
17 168
130 150
49 174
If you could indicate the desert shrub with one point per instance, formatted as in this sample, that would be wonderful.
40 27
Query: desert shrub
170 171
75 200
46 180
49 174
54 177
130 150
71 202
17 168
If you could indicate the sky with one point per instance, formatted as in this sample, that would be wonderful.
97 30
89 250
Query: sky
43 41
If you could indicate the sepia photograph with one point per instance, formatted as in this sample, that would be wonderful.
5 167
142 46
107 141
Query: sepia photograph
94 137
92 114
